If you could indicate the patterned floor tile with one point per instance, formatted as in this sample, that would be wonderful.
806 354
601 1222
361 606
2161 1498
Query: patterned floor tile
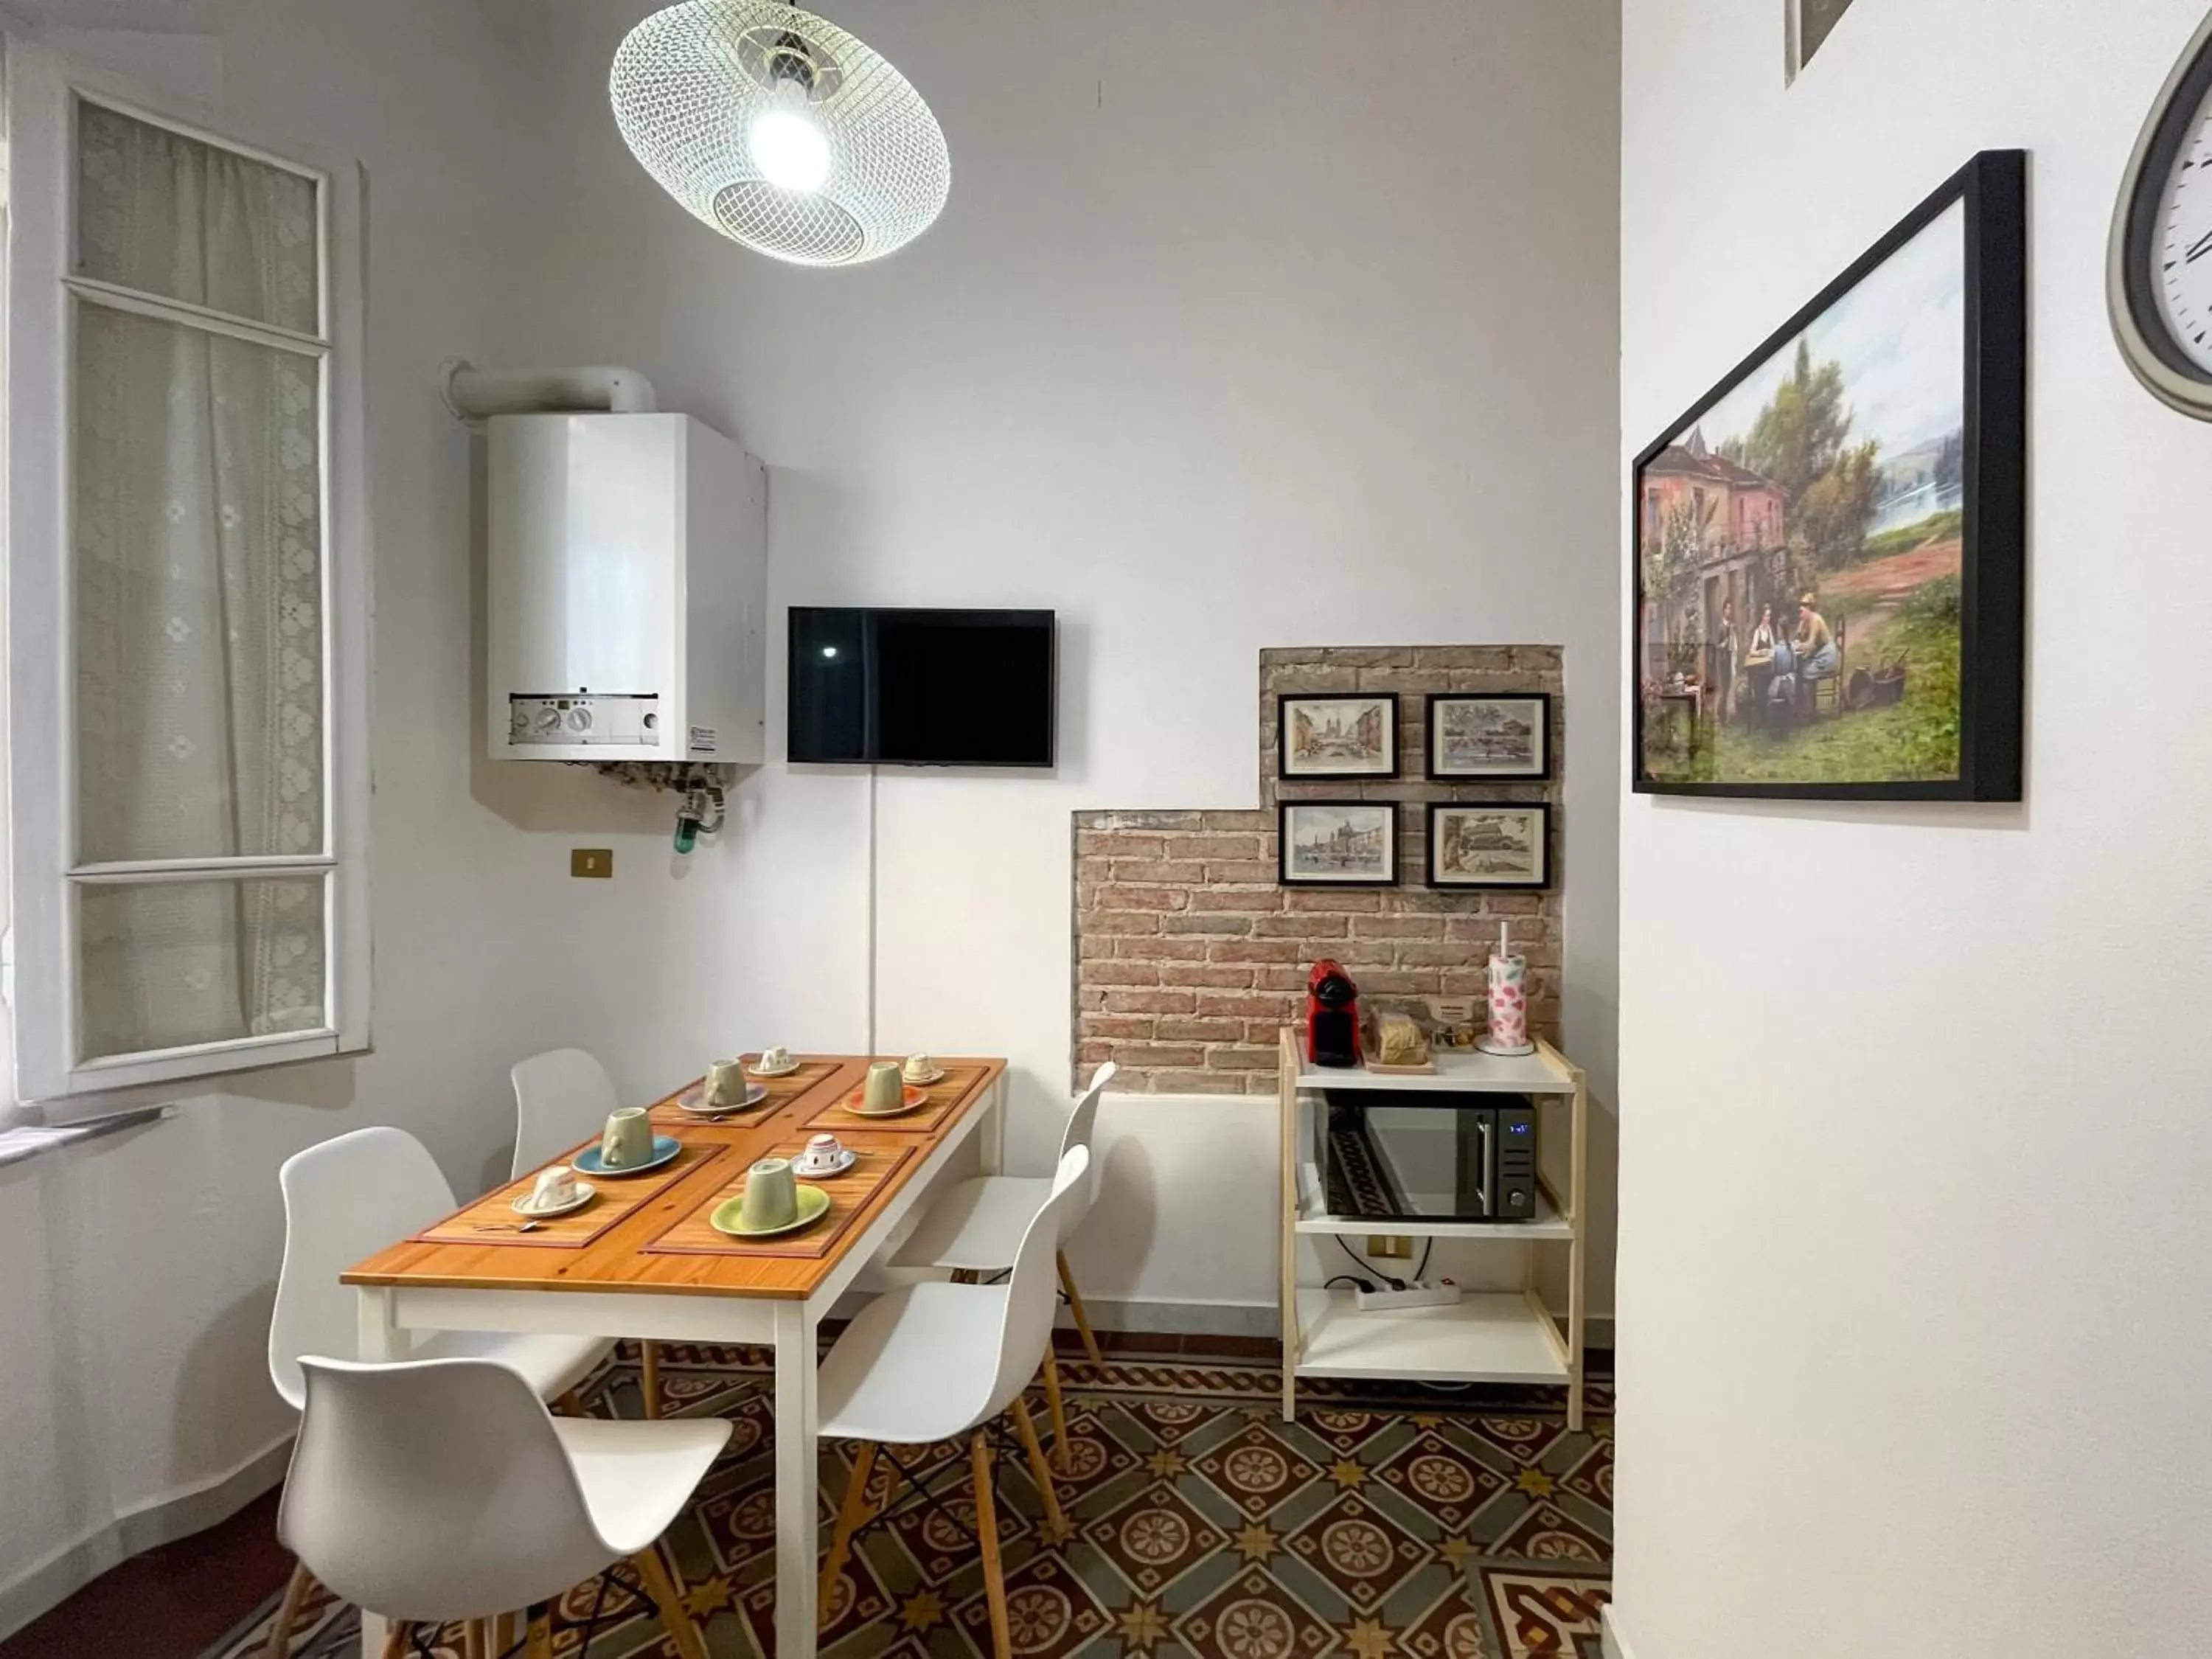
1387 1522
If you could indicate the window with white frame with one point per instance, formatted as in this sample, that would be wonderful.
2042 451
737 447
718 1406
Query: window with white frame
187 595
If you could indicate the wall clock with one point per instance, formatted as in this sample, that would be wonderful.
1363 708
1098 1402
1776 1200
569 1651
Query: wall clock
2158 270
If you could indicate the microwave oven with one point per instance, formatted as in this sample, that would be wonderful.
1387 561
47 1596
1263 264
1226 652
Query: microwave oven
1428 1156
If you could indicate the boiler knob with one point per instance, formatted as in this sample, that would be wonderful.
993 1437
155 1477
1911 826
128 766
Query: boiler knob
580 719
548 719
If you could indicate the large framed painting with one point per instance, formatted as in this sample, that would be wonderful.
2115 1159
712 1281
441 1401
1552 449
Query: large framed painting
1829 560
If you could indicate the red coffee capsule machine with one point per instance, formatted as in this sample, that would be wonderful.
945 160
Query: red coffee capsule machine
1331 1017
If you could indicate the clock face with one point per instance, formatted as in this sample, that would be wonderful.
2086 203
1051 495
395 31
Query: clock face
2180 248
2158 263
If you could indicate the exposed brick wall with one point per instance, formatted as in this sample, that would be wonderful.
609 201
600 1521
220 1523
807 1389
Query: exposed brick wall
1189 957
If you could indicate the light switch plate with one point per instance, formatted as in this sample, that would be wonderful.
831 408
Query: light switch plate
594 863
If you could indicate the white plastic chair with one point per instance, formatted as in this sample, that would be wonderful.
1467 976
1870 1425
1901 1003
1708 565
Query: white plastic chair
346 1199
977 1225
438 1491
938 1359
561 1097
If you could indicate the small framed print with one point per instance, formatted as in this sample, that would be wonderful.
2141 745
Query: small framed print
1490 844
1351 734
1338 844
1498 737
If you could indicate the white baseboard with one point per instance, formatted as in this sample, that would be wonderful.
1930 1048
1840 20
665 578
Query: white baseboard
163 1521
1615 1646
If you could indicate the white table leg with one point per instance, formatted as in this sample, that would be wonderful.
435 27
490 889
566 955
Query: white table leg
380 1342
994 1150
795 1481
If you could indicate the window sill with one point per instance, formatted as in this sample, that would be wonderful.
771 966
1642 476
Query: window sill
21 1143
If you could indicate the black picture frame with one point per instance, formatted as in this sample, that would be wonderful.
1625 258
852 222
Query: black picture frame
1543 811
1286 811
1284 700
1993 186
1429 728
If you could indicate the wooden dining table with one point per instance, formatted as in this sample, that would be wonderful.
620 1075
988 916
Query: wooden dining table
642 1260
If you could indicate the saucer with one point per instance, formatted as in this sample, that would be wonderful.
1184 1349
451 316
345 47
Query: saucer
911 1098
924 1080
584 1194
847 1158
755 1093
779 1071
814 1205
663 1148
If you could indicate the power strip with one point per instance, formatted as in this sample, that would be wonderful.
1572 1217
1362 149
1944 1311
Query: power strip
1422 1293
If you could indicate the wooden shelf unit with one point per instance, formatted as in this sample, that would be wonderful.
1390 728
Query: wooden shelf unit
1487 1337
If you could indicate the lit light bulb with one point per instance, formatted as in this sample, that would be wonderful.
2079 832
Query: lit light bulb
786 146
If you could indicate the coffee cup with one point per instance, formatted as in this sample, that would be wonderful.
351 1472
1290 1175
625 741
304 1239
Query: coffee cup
822 1152
918 1068
771 1196
885 1087
628 1139
777 1059
725 1083
555 1186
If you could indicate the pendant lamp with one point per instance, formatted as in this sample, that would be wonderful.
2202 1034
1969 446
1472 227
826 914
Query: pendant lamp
780 130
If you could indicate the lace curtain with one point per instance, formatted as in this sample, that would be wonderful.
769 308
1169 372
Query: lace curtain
198 593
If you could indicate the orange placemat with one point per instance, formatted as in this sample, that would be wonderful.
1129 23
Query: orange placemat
938 1100
881 1157
781 1090
492 1220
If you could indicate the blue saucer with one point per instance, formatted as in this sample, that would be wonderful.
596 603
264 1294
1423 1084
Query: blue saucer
663 1148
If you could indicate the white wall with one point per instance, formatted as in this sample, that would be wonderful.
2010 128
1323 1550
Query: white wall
1915 1253
1248 323
140 1268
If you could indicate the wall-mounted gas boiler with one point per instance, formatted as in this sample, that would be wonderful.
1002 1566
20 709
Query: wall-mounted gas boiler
627 591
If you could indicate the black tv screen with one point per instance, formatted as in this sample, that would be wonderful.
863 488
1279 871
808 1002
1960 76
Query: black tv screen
922 688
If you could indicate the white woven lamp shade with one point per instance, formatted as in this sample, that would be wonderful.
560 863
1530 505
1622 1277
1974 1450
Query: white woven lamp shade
780 130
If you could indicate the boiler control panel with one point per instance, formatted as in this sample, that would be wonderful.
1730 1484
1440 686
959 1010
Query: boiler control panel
584 719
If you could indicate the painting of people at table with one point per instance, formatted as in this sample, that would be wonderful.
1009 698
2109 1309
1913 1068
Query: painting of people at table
1799 548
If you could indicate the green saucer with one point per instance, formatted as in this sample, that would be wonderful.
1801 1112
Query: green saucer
729 1215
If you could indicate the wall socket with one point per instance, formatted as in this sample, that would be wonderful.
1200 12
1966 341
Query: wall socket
595 863
1391 1247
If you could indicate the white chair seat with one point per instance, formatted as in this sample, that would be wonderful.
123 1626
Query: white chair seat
637 1477
977 1225
551 1364
917 1365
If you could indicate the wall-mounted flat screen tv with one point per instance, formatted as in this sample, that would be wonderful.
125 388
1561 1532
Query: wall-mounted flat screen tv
922 688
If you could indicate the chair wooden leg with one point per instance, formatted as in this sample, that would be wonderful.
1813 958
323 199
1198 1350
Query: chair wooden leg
541 1633
660 1584
1055 1522
649 1379
850 1514
571 1404
474 1635
395 1642
987 1529
288 1612
1063 1456
1082 1319
504 1634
